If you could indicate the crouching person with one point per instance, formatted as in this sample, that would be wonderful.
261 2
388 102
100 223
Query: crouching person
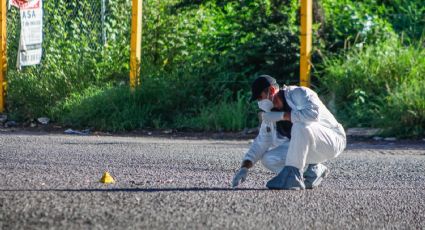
313 137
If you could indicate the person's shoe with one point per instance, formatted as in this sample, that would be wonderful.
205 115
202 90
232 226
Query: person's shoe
288 179
314 175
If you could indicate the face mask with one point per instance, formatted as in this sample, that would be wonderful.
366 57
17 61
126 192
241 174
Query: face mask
266 105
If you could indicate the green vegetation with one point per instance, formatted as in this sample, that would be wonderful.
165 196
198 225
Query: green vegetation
117 109
199 58
74 55
379 86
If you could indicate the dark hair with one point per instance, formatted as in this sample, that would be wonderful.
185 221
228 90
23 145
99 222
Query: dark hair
262 84
266 90
274 83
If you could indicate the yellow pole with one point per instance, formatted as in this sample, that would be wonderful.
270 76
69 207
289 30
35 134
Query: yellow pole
136 39
306 41
3 60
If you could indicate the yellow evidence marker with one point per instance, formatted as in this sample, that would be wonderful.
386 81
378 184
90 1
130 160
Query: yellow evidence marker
107 179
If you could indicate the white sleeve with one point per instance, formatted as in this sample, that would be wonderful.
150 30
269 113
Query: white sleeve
306 104
261 143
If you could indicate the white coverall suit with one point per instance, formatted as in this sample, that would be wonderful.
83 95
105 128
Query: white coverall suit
316 136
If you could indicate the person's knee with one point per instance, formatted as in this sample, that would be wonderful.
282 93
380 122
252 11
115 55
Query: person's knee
267 161
301 129
272 163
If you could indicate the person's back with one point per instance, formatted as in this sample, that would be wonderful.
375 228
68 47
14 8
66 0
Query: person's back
324 116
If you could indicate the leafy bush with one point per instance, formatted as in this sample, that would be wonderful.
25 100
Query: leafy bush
407 17
225 42
349 22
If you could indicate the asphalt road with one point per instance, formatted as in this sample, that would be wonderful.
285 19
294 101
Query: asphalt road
51 181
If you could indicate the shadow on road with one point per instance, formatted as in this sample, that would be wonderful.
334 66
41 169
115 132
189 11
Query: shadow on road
194 189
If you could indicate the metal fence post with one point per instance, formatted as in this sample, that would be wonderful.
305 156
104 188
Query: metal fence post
103 9
306 41
136 38
3 60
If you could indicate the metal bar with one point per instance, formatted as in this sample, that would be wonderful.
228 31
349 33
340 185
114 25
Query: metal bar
306 41
3 60
136 39
103 22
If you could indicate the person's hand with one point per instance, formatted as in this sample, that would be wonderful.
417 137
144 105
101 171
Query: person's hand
240 176
273 116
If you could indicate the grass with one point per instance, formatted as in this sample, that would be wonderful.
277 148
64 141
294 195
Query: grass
116 108
379 86
404 114
226 115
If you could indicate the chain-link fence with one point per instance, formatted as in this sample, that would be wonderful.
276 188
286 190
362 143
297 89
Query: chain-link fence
86 26
85 43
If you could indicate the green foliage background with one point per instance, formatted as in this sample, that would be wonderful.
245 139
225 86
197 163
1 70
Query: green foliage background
199 57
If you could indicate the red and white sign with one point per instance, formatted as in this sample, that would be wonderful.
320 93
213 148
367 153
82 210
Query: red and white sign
26 4
30 43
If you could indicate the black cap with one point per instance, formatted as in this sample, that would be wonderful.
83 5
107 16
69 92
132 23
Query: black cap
260 84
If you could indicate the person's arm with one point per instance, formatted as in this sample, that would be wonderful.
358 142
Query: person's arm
306 104
260 145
